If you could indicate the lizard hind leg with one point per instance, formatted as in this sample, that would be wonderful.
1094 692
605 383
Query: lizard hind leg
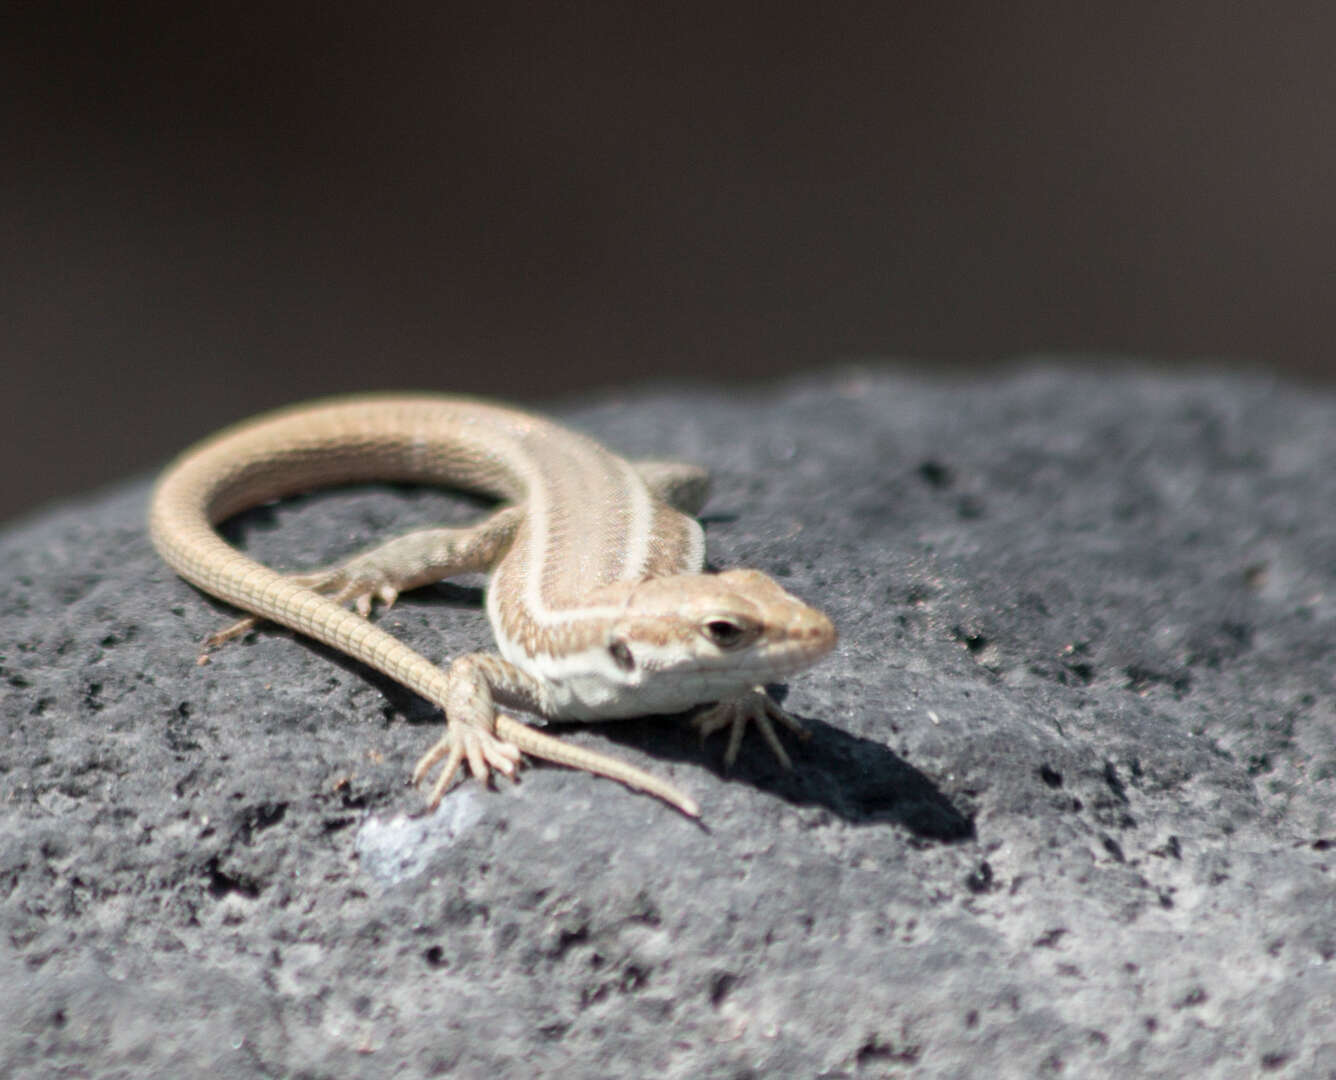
683 487
398 565
336 583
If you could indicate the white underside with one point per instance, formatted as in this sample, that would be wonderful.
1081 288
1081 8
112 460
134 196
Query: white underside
589 686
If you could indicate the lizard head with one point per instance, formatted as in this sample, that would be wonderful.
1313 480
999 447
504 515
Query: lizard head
692 638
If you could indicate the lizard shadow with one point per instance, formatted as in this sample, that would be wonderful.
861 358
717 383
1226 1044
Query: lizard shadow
856 779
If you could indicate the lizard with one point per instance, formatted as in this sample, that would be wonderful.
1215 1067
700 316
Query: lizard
597 593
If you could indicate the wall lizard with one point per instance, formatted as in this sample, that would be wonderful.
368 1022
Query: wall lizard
597 595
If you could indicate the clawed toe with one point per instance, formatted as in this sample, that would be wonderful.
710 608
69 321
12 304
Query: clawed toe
344 585
753 707
463 742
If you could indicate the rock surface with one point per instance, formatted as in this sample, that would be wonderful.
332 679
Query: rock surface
1068 808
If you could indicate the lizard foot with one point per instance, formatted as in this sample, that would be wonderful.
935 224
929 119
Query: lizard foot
357 581
754 706
462 741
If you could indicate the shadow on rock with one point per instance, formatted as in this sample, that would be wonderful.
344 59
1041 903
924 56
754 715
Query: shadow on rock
857 779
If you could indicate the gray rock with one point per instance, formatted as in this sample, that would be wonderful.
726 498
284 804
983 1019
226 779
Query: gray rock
1068 808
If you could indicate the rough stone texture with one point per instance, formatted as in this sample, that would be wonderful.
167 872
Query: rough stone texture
1069 808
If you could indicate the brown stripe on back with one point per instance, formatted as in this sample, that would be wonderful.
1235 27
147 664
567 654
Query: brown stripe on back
585 492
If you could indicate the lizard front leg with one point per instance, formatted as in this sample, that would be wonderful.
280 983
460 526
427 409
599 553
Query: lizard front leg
488 740
471 731
406 562
753 706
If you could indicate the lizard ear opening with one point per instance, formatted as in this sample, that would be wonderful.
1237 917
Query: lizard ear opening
621 655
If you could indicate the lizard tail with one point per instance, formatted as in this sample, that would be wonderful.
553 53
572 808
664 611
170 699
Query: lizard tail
538 745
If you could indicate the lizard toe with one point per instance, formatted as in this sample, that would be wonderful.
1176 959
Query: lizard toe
751 707
463 742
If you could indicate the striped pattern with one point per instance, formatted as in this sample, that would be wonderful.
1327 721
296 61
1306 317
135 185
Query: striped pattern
596 599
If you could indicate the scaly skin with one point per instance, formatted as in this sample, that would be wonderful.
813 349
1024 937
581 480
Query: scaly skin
597 598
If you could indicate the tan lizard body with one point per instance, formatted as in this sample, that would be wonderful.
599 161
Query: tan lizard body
596 596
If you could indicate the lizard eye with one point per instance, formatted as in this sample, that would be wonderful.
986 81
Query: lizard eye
621 655
728 633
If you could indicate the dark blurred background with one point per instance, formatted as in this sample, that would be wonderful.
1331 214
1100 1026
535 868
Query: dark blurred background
212 209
